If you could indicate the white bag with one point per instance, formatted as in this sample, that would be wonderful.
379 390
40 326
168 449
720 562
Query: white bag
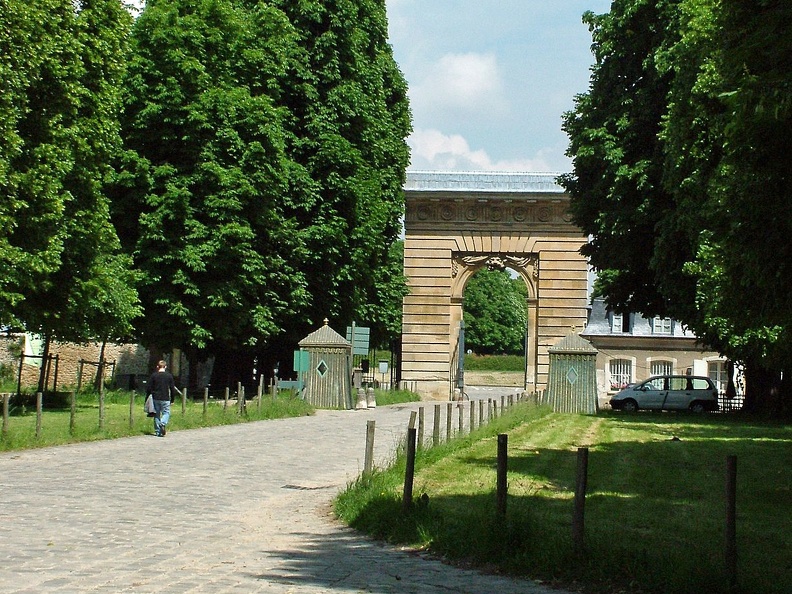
149 406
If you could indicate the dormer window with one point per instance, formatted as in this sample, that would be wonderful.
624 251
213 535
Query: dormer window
661 325
620 323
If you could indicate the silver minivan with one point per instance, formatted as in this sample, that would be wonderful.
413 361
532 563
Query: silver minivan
668 392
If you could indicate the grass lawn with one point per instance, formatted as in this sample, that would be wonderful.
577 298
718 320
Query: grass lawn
55 420
655 510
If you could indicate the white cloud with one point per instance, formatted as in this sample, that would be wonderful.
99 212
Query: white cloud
433 150
467 82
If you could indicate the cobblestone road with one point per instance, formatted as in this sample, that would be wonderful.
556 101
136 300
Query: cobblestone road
240 508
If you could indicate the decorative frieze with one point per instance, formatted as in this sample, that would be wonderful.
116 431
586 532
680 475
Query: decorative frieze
496 211
497 262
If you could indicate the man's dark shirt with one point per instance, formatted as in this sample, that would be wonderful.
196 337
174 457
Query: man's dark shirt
160 385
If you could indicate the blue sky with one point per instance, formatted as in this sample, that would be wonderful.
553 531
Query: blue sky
490 79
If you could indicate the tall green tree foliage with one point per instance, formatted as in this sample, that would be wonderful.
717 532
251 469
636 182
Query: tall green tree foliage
346 143
700 232
202 202
617 193
266 159
61 63
496 313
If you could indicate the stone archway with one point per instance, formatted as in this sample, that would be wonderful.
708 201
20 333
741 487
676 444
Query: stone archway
457 223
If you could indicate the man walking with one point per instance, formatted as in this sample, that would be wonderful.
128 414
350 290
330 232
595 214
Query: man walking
160 386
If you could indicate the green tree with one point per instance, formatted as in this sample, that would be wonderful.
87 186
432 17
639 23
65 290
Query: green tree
728 159
680 162
62 63
496 313
201 200
265 165
383 309
346 143
617 195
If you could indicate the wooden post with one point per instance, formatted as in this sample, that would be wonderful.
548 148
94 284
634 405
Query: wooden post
731 522
368 461
240 399
578 516
503 444
225 401
436 426
73 412
131 409
206 400
101 408
55 376
409 473
420 427
184 401
472 415
5 414
461 419
260 393
410 425
39 404
449 414
481 413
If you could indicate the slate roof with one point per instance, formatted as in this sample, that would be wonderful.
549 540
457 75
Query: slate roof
574 344
325 336
482 181
599 324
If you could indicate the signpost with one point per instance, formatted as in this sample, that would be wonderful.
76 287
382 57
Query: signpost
383 369
302 360
358 336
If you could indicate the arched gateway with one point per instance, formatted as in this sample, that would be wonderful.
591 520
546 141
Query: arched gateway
457 223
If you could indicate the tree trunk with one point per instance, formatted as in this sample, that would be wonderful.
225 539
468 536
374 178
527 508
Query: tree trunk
42 383
100 368
766 393
231 367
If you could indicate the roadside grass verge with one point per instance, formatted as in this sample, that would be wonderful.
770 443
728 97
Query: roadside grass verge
55 422
494 363
655 510
386 397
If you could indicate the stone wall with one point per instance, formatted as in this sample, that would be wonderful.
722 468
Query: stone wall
130 359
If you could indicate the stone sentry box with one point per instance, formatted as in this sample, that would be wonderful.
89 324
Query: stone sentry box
572 385
327 378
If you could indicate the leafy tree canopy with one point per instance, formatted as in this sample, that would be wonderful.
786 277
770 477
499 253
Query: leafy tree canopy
261 189
61 63
496 313
681 160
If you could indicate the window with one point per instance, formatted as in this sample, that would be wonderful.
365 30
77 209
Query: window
620 373
661 368
620 322
716 370
661 325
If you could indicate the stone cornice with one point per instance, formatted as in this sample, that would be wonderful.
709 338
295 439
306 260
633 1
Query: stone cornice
485 212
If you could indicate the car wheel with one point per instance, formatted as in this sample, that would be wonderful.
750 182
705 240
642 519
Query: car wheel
697 407
629 406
